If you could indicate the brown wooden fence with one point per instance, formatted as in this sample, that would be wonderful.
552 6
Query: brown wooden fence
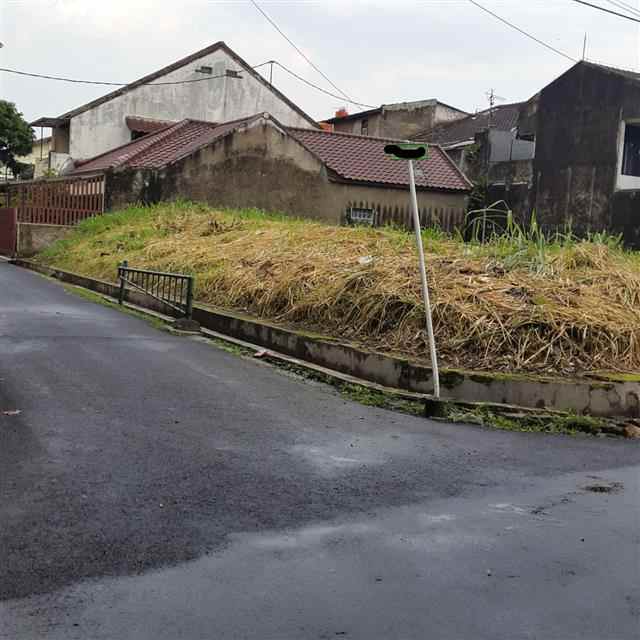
59 202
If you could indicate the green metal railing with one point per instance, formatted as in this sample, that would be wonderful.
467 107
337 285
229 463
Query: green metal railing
173 289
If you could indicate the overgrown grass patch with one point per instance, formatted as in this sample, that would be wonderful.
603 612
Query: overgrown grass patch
520 302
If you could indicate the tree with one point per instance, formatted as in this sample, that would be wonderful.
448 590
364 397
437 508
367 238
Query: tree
16 136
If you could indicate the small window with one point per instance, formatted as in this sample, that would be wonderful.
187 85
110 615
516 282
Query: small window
138 134
631 152
364 127
360 216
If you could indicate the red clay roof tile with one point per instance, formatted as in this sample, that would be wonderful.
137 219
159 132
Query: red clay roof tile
156 150
146 125
349 156
362 159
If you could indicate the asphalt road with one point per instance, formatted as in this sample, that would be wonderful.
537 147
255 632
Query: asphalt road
157 487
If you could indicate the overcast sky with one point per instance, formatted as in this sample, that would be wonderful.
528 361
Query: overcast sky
377 51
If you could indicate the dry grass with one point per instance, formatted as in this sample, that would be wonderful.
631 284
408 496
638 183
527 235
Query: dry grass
571 307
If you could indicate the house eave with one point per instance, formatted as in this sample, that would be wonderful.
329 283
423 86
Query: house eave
334 177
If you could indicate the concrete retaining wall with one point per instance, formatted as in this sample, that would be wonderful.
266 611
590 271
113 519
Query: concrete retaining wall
33 238
610 397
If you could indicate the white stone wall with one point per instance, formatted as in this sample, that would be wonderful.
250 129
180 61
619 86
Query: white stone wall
219 100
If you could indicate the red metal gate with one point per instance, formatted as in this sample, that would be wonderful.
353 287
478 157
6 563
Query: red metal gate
8 231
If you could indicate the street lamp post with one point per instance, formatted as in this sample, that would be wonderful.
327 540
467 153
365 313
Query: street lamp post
411 152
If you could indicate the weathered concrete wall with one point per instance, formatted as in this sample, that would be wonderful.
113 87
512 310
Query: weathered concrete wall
445 210
401 120
576 164
445 113
33 238
59 163
60 139
263 167
218 100
355 125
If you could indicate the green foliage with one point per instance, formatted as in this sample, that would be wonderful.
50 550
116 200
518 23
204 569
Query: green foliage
560 423
493 231
16 136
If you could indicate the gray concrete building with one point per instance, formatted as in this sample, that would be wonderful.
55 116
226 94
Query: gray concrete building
400 120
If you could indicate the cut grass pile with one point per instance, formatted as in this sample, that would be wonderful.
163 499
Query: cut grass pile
516 303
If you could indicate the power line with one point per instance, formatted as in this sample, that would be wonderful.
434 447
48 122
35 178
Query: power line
610 11
624 5
522 31
124 84
284 35
111 84
315 86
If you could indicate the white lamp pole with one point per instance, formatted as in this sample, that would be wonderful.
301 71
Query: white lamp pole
423 280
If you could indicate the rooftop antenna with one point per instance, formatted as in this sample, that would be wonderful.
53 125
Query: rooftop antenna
493 98
584 47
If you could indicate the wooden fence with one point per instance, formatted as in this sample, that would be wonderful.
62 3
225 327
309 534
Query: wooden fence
58 202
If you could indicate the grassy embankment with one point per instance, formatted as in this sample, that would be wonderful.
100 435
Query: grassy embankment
518 303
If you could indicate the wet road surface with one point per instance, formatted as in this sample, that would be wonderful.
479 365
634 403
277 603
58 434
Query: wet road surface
155 486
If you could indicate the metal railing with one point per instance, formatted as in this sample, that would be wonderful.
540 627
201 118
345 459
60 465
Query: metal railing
173 289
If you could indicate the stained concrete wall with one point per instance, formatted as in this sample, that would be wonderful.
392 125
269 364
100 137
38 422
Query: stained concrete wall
578 127
262 166
505 146
402 120
33 238
218 100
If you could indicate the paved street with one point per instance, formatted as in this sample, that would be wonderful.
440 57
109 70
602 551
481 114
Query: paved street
157 487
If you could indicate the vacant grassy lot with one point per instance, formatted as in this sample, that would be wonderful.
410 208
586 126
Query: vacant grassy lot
517 303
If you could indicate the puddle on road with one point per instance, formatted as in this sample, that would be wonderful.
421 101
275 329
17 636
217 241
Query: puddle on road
611 487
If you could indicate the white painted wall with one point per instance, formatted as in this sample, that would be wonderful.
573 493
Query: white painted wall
102 128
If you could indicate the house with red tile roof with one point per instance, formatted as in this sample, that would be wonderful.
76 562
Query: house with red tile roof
258 161
213 84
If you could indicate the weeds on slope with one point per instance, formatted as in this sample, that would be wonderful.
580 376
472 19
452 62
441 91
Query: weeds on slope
520 301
